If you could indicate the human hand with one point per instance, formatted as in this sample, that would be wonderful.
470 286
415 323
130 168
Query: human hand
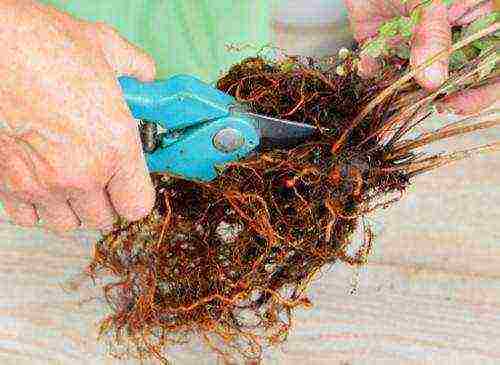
431 36
70 151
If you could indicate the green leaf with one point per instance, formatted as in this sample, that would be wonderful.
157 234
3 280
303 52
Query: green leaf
457 59
389 28
287 66
375 47
485 43
400 25
406 27
427 2
482 23
456 35
415 16
403 52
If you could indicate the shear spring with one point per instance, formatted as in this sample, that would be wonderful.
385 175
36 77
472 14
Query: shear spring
149 136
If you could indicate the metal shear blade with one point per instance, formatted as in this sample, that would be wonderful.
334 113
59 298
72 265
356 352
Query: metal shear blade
281 133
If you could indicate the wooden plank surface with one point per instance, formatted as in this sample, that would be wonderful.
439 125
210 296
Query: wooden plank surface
429 295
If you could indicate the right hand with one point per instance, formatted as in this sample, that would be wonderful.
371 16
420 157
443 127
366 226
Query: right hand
432 35
70 149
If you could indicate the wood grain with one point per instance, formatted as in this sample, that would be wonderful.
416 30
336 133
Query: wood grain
429 295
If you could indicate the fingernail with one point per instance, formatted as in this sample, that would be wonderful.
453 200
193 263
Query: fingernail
433 77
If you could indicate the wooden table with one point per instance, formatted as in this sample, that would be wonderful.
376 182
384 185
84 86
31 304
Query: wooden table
429 295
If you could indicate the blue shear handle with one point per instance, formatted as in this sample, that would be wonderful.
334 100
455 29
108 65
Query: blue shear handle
184 101
176 103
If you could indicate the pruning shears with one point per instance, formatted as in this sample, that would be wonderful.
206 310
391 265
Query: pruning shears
191 129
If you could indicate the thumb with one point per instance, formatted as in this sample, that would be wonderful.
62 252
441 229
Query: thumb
130 188
472 101
124 57
432 35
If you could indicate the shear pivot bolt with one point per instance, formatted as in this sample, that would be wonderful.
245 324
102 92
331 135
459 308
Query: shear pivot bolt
149 136
228 140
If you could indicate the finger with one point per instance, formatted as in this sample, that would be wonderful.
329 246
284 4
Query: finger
432 35
366 16
130 189
94 210
368 66
124 57
57 216
471 101
463 12
21 213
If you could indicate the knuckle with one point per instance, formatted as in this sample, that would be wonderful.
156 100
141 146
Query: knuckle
56 216
21 214
20 185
